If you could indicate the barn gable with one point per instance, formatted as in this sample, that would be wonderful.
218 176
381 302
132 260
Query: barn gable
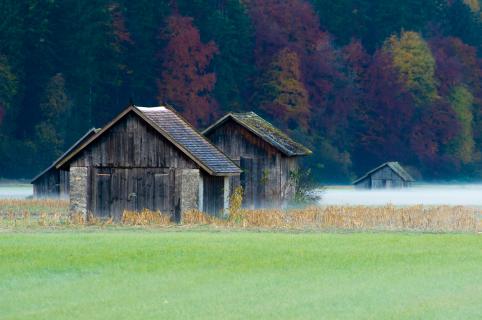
237 141
268 158
394 166
177 131
387 175
131 143
264 130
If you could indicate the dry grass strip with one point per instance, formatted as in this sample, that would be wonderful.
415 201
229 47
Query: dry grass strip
48 213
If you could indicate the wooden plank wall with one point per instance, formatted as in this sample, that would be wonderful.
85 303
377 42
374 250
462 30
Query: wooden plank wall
383 178
132 143
48 185
133 167
117 189
64 183
213 194
266 171
386 178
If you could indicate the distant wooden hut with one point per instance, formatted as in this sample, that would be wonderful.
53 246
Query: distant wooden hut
147 158
388 175
267 156
53 182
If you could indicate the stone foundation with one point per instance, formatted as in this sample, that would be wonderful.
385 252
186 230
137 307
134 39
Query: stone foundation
78 178
187 181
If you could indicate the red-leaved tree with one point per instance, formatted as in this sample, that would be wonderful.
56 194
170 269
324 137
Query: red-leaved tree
294 25
186 79
385 116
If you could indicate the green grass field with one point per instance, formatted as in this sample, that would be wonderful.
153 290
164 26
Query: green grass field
142 274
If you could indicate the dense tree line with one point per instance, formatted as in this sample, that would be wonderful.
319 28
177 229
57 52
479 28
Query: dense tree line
358 81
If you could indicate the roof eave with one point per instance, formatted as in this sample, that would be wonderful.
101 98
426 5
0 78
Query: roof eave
153 125
217 123
226 174
92 131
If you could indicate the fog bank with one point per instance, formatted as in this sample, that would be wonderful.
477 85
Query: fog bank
462 194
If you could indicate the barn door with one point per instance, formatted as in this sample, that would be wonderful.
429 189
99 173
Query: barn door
145 188
102 191
164 191
132 194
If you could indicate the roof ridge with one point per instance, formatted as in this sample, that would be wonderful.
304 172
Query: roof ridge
193 129
265 130
199 133
394 165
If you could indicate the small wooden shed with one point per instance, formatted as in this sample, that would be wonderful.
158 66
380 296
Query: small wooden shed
267 156
147 158
387 175
53 182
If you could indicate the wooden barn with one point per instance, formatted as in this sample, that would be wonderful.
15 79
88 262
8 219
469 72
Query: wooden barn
267 157
388 175
53 182
147 158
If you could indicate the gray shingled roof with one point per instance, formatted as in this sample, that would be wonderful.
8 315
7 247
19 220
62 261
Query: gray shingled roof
266 131
87 135
195 143
395 166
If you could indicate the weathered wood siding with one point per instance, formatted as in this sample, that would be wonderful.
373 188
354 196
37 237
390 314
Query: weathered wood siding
133 167
266 171
52 184
47 186
213 194
117 189
132 143
383 178
64 187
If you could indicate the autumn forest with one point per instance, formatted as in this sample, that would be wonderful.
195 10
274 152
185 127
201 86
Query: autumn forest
359 82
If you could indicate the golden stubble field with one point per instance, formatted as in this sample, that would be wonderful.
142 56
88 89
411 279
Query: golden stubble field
54 214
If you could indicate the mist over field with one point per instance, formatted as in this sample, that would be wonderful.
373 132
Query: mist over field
424 194
15 191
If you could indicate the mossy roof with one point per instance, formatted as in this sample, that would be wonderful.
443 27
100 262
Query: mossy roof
266 131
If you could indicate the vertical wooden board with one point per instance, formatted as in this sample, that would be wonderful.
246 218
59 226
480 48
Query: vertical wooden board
273 190
150 188
176 194
145 192
102 191
114 207
246 179
162 192
123 191
139 178
261 182
130 191
205 193
64 183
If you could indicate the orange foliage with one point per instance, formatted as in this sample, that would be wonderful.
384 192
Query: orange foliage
186 80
